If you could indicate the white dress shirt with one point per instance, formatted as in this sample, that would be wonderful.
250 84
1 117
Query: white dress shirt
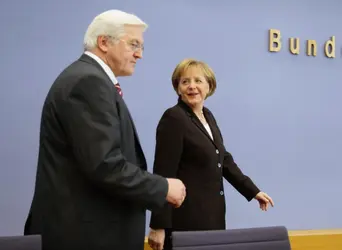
105 67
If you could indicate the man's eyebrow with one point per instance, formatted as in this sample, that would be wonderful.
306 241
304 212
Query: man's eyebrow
135 40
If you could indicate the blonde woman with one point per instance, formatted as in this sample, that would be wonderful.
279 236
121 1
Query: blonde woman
189 146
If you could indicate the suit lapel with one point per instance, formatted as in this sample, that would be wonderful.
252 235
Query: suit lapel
139 149
88 59
198 123
134 129
213 126
131 120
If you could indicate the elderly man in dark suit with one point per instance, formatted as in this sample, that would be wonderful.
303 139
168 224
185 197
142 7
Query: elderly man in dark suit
92 186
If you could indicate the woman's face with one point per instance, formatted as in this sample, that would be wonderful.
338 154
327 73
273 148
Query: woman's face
193 87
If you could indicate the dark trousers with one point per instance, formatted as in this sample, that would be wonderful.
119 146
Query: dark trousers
168 239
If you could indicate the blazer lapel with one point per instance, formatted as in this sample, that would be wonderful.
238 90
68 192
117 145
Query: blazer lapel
213 126
88 59
198 123
131 119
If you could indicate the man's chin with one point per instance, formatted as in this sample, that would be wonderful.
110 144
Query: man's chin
128 72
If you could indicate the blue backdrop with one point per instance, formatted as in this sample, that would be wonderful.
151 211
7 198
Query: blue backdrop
280 114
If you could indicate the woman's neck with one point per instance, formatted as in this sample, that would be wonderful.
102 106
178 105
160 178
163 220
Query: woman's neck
198 109
199 113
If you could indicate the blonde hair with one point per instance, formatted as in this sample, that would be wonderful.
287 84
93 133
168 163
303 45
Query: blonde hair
185 65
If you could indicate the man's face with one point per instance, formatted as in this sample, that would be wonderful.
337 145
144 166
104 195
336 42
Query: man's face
122 56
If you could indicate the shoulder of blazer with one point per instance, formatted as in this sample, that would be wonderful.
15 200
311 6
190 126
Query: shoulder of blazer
206 110
175 112
174 115
90 67
87 59
76 78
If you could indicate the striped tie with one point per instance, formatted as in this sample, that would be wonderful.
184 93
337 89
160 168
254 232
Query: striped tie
118 88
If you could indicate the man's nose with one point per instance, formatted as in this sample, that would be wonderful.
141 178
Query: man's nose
138 54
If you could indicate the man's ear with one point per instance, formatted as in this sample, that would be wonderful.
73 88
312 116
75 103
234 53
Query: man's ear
102 43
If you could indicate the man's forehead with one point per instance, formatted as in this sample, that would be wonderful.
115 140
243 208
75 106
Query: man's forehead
134 32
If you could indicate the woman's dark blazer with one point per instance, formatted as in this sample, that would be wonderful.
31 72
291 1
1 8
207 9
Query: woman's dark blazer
185 150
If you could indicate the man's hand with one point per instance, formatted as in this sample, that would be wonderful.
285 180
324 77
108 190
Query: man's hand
156 239
176 193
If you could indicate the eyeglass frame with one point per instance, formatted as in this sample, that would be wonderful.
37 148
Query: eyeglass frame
134 46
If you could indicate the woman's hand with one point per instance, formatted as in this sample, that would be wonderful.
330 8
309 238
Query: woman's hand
264 200
156 239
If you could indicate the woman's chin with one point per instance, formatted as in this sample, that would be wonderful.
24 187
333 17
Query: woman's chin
195 103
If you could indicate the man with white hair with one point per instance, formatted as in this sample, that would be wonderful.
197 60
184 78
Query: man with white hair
92 186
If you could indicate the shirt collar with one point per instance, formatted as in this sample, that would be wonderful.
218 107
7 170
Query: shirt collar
105 67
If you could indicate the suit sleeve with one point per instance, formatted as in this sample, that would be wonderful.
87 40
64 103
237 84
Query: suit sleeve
233 174
169 147
92 124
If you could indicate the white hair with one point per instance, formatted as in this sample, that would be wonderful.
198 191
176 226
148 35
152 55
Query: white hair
109 23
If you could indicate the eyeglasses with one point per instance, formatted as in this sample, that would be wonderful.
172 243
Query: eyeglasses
134 46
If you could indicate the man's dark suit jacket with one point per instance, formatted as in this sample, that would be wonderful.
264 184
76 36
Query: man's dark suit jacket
92 188
185 150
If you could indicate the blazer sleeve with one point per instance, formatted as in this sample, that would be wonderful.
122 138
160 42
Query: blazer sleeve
233 174
169 147
92 124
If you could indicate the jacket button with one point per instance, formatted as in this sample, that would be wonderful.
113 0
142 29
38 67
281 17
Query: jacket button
217 151
221 192
219 165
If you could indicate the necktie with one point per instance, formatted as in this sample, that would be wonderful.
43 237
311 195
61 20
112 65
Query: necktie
118 88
